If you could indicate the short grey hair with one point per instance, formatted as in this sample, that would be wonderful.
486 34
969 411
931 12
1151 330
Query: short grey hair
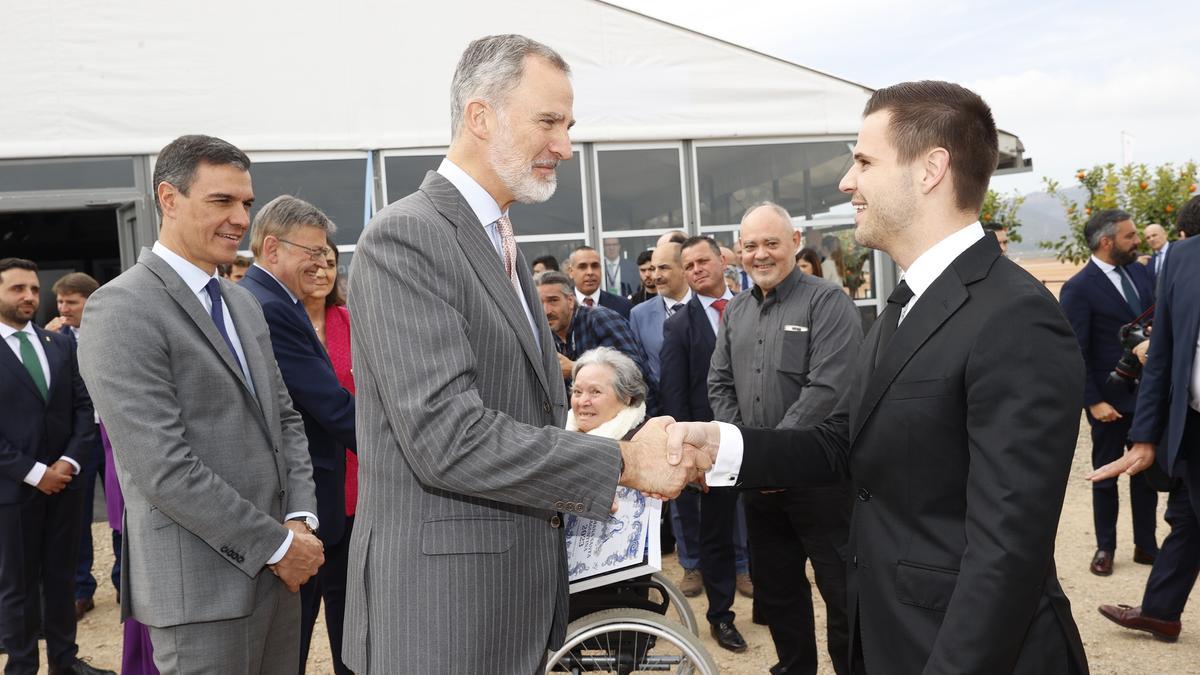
556 277
628 383
490 68
777 209
282 216
177 162
1103 224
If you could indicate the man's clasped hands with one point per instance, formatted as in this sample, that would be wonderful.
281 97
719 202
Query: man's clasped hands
665 455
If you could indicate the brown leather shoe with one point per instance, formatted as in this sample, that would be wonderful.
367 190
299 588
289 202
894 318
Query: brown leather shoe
1102 563
83 607
692 583
1143 557
744 585
1132 617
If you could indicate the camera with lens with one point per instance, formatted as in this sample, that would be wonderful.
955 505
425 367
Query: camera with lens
1128 370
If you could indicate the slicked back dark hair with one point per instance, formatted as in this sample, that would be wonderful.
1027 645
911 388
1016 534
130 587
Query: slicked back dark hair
932 114
1103 224
644 257
701 239
7 264
1189 217
177 162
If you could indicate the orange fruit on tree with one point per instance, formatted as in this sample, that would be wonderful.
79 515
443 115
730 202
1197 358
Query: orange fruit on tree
1192 188
1145 185
1081 175
1170 208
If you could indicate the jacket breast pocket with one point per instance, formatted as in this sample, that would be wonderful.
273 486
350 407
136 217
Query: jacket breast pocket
456 536
924 585
927 388
793 357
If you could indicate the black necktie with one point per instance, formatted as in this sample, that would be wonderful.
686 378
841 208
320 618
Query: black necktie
890 319
1131 296
674 308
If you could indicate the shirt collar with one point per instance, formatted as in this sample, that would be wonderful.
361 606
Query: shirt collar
1104 267
281 284
708 301
482 204
595 296
782 290
929 265
7 330
193 277
669 303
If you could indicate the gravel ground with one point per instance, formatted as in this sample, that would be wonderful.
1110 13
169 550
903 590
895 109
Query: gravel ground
1111 650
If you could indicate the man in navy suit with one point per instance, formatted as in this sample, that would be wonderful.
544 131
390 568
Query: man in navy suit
289 238
587 271
1109 292
689 338
47 429
1166 428
72 291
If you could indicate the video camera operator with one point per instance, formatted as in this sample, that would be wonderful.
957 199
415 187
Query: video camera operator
1106 302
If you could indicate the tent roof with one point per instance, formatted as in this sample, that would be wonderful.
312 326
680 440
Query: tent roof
85 78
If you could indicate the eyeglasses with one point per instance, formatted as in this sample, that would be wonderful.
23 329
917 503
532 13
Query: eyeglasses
314 254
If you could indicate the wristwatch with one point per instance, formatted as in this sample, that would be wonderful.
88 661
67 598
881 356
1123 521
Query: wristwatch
308 522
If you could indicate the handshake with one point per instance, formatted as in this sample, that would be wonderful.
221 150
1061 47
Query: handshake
665 455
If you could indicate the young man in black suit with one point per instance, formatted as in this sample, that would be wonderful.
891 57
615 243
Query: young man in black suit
47 430
959 425
587 271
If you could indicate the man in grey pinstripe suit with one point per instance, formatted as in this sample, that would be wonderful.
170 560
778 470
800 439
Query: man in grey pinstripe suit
457 561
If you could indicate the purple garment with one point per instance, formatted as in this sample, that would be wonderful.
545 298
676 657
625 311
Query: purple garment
138 655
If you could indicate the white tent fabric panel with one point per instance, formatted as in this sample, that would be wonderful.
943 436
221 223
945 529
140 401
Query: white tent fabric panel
79 78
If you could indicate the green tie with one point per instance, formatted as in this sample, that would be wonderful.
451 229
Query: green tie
31 362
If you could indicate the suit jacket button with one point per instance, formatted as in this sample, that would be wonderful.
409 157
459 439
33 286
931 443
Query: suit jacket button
558 505
545 406
579 508
864 495
555 521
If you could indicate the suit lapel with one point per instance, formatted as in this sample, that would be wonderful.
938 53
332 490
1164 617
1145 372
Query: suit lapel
10 361
935 306
55 359
480 255
700 325
190 304
1105 284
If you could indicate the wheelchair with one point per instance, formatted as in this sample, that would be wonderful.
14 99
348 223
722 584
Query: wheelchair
635 626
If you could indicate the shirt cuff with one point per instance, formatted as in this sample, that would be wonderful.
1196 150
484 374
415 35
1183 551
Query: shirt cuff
73 463
35 474
724 472
283 549
297 515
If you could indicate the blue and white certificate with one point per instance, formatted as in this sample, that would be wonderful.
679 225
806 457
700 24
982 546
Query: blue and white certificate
626 545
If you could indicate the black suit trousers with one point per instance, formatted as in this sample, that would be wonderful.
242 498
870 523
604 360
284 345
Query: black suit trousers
39 546
1108 444
1178 563
787 529
329 585
718 560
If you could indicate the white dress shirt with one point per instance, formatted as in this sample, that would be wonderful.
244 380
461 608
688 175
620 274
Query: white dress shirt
1114 275
595 296
196 280
920 275
10 338
488 212
714 317
668 302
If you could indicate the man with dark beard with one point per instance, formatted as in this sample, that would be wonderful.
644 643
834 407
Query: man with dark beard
457 561
1109 292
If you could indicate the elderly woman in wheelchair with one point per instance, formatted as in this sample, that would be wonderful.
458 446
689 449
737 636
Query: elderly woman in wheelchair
642 624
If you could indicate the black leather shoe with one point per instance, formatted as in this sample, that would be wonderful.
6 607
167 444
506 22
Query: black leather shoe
728 636
1144 557
1102 563
80 667
83 606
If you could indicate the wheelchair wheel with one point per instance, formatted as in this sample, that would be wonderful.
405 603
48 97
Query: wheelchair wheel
626 641
678 602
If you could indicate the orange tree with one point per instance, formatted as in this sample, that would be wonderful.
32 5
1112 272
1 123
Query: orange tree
1149 194
1003 210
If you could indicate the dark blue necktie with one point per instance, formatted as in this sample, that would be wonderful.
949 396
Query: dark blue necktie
1131 297
213 288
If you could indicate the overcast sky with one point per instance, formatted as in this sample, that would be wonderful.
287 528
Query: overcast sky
1066 77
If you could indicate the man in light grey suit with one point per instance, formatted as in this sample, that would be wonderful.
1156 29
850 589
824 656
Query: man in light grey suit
211 456
457 561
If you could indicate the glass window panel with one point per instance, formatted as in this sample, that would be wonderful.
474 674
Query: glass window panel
560 214
801 177
336 186
640 189
561 250
66 174
858 261
404 174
